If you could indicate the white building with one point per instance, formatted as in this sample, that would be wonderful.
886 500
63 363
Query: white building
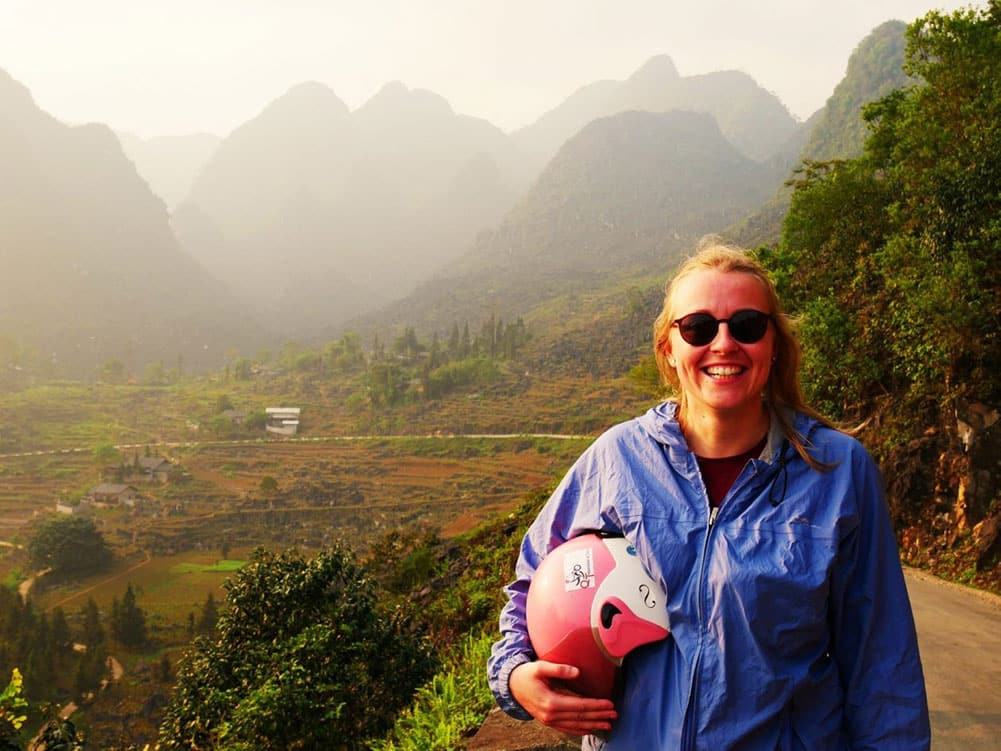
282 420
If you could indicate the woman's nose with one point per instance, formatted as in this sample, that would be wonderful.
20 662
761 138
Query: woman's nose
723 341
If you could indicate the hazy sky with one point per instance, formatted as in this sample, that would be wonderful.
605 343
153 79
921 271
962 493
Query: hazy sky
165 67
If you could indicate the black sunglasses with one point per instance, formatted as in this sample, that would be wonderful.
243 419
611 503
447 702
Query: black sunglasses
746 326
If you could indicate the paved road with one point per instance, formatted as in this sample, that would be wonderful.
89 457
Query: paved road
959 632
300 439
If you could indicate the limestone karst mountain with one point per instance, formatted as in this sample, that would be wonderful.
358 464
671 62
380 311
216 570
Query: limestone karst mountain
837 130
315 213
874 69
752 119
318 214
624 195
92 267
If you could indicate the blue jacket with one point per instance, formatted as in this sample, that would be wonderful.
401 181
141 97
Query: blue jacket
791 628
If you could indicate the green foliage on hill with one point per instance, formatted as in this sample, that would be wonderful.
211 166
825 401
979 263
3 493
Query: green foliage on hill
838 131
70 545
304 656
874 70
448 707
128 620
41 645
455 588
892 259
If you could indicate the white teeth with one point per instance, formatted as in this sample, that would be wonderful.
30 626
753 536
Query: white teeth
724 370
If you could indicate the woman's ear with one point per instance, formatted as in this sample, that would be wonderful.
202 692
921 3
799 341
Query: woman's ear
665 351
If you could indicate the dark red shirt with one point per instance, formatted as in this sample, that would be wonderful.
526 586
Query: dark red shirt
720 474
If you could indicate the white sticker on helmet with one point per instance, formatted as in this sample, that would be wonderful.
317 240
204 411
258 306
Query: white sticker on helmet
578 570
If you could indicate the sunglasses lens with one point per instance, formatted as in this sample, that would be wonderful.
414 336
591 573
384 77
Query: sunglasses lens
748 326
698 329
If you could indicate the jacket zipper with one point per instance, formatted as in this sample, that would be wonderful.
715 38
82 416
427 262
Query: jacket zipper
687 734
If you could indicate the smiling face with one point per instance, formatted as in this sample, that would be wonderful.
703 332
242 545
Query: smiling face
725 378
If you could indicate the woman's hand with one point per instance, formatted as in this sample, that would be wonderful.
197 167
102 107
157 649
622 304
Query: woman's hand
536 686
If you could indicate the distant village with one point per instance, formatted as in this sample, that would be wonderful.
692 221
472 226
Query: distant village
147 470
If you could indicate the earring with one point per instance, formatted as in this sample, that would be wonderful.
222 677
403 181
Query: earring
671 361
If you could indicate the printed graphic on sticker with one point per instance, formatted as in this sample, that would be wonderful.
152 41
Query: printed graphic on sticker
578 570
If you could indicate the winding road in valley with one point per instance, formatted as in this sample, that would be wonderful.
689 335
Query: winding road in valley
298 439
959 634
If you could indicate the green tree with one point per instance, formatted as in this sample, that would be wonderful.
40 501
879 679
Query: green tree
406 345
242 369
893 260
92 632
209 616
221 426
91 670
256 420
345 355
940 146
112 371
60 629
304 656
105 455
68 545
385 384
155 374
128 620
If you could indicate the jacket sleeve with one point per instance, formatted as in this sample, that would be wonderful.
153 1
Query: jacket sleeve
565 515
874 638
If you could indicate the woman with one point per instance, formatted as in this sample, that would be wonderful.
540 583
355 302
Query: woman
790 623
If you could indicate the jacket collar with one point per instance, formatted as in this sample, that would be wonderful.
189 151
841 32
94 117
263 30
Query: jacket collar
661 423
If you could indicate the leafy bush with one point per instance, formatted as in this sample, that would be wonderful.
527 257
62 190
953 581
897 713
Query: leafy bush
12 707
479 371
303 657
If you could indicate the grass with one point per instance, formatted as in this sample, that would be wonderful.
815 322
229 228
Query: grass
220 567
13 579
168 588
448 708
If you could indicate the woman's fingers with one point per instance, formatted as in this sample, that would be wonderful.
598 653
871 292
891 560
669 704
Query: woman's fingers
537 687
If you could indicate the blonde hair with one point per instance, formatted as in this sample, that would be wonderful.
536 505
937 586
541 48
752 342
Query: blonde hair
783 393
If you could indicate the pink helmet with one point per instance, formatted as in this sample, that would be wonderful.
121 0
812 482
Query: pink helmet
589 604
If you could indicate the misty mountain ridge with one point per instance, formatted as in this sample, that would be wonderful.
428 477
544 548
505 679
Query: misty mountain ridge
582 226
754 120
323 219
836 131
315 213
98 271
874 69
625 195
329 214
